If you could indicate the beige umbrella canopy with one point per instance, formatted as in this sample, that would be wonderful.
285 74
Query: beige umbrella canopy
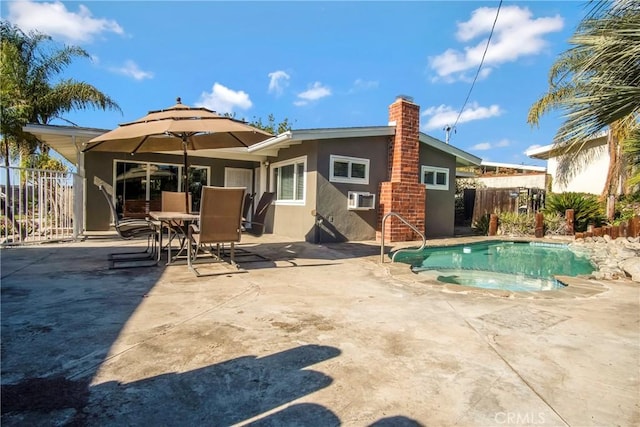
178 128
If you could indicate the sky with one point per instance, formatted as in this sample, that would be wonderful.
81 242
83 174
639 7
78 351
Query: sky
326 64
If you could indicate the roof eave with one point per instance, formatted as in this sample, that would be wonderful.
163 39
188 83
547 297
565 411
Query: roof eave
293 137
462 157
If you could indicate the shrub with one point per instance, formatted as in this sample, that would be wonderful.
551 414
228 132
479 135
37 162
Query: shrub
481 225
555 225
627 207
516 224
587 208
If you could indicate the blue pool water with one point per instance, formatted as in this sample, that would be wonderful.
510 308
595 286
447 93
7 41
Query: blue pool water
515 266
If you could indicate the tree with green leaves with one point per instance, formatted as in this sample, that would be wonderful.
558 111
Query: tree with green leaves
596 84
271 126
29 93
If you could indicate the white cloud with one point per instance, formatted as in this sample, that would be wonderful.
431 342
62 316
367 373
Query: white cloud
361 85
315 92
55 20
131 69
224 100
517 34
444 115
503 143
485 146
278 81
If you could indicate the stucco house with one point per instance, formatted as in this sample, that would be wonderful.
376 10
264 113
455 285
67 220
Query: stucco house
331 184
590 178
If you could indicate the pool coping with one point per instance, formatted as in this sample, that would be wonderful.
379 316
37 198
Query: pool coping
575 287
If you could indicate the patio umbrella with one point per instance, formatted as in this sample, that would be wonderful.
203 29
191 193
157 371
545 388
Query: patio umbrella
178 128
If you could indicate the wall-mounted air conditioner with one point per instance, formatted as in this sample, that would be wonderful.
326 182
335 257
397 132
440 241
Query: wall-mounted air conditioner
361 200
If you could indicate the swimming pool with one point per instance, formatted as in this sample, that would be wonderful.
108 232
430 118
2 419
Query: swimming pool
515 266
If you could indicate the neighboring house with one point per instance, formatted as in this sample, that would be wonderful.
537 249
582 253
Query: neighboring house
590 178
508 175
331 184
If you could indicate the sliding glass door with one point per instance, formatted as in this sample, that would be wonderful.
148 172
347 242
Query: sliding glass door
139 185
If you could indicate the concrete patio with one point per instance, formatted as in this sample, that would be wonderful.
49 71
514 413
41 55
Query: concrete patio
321 335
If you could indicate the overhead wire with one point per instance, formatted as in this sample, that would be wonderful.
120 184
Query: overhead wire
484 54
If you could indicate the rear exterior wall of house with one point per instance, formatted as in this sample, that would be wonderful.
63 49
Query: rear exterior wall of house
337 223
440 203
101 165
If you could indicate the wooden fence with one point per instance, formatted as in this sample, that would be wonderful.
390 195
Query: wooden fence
494 200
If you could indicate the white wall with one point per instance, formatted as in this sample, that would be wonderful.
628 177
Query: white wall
590 179
512 181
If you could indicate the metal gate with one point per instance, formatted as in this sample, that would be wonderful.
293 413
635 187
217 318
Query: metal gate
39 205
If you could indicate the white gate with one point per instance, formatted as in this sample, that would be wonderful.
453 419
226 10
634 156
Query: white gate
39 205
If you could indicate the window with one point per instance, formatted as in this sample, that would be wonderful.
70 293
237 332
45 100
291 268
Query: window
288 177
348 169
139 185
435 178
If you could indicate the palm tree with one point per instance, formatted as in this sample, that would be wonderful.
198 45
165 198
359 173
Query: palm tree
597 85
28 63
28 93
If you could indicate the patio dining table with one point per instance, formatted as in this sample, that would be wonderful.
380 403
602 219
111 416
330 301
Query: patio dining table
170 220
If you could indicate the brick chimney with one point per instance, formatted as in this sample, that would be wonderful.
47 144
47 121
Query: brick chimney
403 193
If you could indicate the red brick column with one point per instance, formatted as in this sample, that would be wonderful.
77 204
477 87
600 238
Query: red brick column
403 193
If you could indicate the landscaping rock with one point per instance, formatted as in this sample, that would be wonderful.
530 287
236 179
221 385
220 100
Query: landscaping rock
631 266
614 258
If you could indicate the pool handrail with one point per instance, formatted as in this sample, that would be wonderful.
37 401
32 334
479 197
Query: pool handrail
393 257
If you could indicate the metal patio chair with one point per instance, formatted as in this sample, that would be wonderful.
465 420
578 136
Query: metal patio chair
220 223
129 229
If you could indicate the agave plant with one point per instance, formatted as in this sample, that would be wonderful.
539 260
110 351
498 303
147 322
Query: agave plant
586 207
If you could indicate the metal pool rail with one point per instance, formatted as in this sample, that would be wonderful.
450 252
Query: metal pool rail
384 219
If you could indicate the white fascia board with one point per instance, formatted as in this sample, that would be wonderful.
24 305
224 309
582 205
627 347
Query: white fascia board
462 157
269 143
40 129
542 153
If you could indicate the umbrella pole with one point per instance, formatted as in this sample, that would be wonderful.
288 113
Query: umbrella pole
185 176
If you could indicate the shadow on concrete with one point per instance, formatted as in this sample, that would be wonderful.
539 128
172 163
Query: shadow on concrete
397 421
301 414
223 394
251 256
62 309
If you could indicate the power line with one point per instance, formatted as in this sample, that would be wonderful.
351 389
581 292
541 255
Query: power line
479 66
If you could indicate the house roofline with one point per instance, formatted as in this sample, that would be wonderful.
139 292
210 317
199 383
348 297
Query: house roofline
293 137
546 151
63 130
462 157
297 136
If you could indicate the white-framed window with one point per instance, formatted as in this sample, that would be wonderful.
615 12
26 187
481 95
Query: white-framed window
289 181
435 178
351 170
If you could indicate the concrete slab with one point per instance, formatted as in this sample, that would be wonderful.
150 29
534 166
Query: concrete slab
317 335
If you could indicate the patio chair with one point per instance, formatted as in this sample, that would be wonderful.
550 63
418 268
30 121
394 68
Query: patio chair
220 223
255 226
129 229
246 207
173 201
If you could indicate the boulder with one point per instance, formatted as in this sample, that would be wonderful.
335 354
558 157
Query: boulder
631 266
